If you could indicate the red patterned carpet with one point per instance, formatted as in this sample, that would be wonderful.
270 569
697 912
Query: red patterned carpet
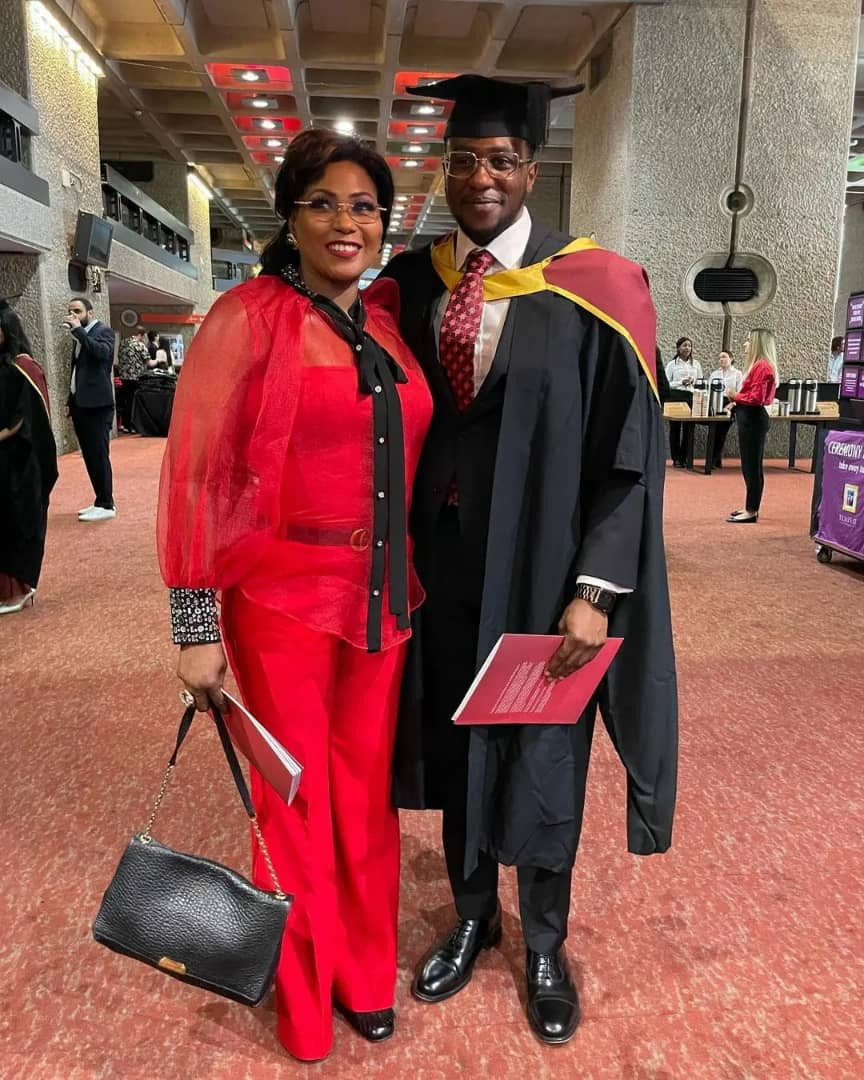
740 954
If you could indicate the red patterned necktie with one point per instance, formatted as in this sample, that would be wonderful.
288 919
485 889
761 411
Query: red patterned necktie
461 325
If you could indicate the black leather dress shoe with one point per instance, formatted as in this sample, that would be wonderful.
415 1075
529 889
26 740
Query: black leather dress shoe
553 1003
450 965
373 1026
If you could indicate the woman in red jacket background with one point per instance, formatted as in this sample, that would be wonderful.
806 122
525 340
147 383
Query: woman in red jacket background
751 401
299 418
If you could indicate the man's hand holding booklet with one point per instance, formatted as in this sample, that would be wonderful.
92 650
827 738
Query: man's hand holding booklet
512 688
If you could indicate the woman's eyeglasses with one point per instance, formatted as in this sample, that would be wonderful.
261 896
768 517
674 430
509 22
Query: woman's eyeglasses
463 163
363 211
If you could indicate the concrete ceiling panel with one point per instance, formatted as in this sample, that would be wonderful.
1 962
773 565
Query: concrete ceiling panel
175 101
140 41
337 108
339 44
156 76
232 13
549 37
342 81
447 34
103 12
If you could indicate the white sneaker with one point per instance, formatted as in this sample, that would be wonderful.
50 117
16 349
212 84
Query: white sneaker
85 510
97 513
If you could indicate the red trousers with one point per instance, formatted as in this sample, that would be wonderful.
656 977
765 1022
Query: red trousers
336 848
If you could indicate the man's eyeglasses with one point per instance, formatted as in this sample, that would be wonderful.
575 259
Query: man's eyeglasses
363 211
463 163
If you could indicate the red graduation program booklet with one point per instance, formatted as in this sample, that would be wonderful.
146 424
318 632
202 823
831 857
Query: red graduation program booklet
263 750
511 688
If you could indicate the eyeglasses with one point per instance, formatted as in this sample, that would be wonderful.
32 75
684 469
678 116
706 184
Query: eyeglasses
363 211
463 163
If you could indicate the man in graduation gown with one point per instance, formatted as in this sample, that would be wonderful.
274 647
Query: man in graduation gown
537 508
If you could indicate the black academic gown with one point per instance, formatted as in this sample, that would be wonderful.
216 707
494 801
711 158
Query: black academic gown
28 472
577 489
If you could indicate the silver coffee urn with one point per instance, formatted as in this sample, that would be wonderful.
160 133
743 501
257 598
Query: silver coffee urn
811 393
794 396
718 397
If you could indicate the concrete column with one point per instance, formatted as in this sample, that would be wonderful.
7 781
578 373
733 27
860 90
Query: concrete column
673 116
851 277
66 155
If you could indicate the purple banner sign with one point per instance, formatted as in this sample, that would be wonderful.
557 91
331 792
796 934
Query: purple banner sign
852 352
841 511
855 316
849 382
861 382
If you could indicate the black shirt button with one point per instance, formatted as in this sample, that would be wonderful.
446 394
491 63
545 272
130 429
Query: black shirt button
436 490
380 494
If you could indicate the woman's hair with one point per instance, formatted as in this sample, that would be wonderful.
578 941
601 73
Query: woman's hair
729 353
837 344
762 345
165 344
306 161
15 337
681 341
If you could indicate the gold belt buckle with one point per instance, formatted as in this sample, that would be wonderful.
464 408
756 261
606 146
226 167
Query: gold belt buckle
359 539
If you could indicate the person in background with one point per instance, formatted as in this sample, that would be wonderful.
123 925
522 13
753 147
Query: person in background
663 389
28 465
309 438
91 402
751 401
152 345
835 360
682 371
133 360
163 354
731 378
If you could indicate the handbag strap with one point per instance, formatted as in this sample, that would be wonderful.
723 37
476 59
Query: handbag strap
236 772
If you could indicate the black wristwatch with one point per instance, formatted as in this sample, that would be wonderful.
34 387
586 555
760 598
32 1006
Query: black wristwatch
602 599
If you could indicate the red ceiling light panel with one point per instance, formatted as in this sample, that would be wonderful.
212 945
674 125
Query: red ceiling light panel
247 77
265 125
417 164
414 78
245 101
275 144
417 130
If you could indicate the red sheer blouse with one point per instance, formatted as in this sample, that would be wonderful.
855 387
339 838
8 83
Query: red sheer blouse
759 385
267 483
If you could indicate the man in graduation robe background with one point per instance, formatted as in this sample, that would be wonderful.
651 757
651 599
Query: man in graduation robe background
537 508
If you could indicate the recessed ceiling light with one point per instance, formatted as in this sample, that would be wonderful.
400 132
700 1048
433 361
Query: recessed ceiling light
250 76
426 109
415 130
344 127
413 148
260 103
279 157
402 198
268 125
411 163
276 143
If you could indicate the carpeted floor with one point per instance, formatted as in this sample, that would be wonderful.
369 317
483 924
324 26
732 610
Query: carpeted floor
740 954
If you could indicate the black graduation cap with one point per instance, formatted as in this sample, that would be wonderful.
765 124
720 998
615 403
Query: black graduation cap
487 107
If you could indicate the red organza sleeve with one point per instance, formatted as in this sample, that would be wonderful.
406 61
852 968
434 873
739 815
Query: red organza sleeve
209 495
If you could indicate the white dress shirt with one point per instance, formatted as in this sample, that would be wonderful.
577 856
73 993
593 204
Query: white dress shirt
508 251
678 369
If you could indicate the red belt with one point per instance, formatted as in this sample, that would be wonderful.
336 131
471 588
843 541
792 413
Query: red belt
358 539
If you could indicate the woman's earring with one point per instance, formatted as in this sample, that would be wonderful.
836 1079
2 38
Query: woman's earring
292 240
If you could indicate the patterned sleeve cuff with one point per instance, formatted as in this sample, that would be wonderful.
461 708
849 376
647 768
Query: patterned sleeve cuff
194 617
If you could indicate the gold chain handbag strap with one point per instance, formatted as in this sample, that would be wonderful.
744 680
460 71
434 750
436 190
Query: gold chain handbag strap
239 782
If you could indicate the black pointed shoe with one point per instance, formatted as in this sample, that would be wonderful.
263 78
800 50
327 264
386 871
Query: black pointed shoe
448 967
553 1003
373 1026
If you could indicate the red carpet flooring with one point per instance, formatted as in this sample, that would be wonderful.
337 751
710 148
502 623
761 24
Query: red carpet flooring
740 954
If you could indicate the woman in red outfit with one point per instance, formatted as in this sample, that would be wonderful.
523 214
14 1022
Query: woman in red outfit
757 391
297 427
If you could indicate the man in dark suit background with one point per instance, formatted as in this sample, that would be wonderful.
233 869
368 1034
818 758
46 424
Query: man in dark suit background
91 402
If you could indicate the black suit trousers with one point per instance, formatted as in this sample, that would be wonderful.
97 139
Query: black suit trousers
93 431
753 425
453 577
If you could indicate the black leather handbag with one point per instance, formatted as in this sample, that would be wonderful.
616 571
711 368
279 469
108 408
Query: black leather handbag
192 918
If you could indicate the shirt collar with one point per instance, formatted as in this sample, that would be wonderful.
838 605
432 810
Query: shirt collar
508 249
89 326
